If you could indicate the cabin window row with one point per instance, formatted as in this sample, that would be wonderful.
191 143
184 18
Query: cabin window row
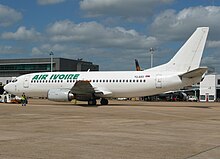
116 81
94 81
52 81
47 81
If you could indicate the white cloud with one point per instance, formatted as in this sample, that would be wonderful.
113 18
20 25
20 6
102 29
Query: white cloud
212 60
8 16
22 34
94 34
172 25
213 44
49 2
8 49
46 48
95 42
127 9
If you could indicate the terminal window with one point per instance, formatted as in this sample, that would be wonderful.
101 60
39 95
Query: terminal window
26 67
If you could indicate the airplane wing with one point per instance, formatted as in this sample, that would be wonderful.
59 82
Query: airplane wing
85 89
82 87
194 73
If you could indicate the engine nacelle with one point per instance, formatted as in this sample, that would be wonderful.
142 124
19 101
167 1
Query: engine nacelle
60 95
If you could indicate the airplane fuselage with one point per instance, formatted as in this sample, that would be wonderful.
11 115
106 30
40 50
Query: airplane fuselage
115 84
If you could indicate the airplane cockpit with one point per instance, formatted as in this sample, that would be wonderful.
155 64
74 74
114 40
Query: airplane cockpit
14 80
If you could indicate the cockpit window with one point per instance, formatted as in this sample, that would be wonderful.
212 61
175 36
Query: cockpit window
14 80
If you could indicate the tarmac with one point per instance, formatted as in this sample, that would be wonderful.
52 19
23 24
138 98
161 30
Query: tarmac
120 130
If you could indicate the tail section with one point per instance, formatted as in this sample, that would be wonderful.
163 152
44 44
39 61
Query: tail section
189 56
138 68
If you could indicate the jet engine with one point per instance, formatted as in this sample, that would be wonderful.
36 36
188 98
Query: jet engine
60 95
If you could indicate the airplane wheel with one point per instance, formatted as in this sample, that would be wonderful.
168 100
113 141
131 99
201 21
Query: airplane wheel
92 102
104 101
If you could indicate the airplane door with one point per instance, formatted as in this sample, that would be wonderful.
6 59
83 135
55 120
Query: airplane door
26 82
158 81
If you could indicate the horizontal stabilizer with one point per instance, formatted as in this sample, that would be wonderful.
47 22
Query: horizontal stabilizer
194 73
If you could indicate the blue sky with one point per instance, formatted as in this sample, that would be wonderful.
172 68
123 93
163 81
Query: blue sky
110 33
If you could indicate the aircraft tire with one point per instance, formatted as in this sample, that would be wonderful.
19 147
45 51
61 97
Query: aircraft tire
104 101
92 102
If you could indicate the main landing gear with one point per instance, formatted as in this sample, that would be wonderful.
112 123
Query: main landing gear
93 102
104 101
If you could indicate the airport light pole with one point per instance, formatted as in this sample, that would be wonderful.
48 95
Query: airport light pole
151 56
51 61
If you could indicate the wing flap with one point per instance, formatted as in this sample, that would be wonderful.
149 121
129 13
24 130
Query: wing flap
102 93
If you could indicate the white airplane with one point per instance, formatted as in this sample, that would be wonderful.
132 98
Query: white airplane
182 70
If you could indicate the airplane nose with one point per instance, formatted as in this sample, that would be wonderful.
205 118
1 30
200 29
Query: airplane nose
8 88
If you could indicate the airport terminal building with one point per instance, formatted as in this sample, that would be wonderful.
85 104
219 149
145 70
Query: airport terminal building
15 67
210 88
